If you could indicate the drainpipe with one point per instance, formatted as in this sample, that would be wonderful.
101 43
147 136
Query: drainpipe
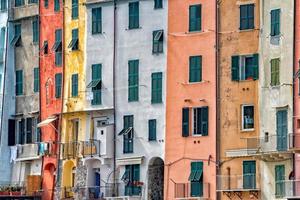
228 179
294 62
114 98
218 195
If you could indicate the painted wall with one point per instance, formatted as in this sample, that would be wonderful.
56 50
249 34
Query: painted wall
181 151
5 167
137 44
233 94
50 20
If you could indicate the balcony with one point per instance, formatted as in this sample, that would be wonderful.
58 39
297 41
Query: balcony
27 152
97 192
268 148
288 189
232 185
48 149
188 191
24 11
80 149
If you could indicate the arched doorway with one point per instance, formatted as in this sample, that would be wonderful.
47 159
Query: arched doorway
69 173
93 182
48 181
156 179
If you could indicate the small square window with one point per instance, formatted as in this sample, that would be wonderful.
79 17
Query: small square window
247 117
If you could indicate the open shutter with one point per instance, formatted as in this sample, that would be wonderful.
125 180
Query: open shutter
11 132
185 122
235 68
204 121
255 66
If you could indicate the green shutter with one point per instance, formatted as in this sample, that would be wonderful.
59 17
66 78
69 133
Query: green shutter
246 16
156 87
235 68
35 31
19 82
185 122
255 66
275 22
195 69
133 80
2 43
152 129
96 20
281 130
96 89
134 15
46 3
249 174
275 72
204 121
3 5
128 138
279 181
56 5
58 84
74 9
196 179
158 4
195 18
36 80
74 85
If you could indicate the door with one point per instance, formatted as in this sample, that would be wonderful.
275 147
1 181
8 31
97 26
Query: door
249 175
97 184
279 180
281 125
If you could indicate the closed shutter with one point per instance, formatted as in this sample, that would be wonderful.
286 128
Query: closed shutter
185 122
96 20
74 85
196 179
19 82
249 174
275 72
281 125
156 87
136 178
195 72
204 121
56 5
158 4
58 83
279 181
152 129
255 66
195 18
275 22
36 81
11 132
133 15
133 80
235 68
35 31
2 43
74 9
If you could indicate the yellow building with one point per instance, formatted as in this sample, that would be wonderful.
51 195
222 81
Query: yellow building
73 117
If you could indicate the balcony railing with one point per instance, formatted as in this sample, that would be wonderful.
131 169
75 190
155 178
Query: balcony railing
48 148
228 183
294 141
192 191
27 151
69 150
287 189
75 149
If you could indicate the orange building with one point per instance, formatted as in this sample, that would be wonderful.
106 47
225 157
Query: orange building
238 176
51 69
190 169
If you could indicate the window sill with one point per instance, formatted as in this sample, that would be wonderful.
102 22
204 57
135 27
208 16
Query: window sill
130 29
194 32
95 34
195 83
198 135
158 8
246 30
248 130
156 103
157 53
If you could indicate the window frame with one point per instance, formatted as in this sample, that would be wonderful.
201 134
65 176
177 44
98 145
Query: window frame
96 22
158 44
243 128
195 21
247 17
193 109
35 31
56 5
19 83
36 80
152 130
3 5
58 85
158 4
275 24
133 80
275 69
193 69
133 15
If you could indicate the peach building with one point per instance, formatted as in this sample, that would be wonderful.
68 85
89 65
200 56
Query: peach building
238 174
190 167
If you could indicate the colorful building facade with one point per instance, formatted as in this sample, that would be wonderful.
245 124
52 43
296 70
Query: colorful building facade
190 166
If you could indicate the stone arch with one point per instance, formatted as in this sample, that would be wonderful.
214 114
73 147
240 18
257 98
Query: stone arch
48 181
156 179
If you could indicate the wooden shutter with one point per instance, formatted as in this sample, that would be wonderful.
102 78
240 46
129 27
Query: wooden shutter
204 121
185 122
58 82
195 18
11 132
255 66
249 174
279 178
156 87
152 129
75 85
133 15
36 82
235 68
133 80
196 180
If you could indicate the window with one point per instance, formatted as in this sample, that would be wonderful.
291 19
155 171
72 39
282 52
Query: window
35 31
57 47
133 80
158 4
195 69
3 5
11 132
56 5
74 42
19 3
73 176
200 121
156 86
28 130
36 80
248 117
185 122
275 71
58 83
281 130
74 9
249 174
134 15
244 67
152 129
45 48
279 181
247 17
132 175
128 134
96 20
2 43
16 41
196 179
158 41
32 1
275 22
195 18
46 3
19 82
95 84
74 85
21 131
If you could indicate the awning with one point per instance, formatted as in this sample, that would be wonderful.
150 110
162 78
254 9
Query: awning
15 40
93 83
46 121
195 175
125 131
57 45
73 43
158 35
130 161
45 46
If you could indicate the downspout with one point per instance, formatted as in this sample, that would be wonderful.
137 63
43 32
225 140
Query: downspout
294 62
114 98
218 195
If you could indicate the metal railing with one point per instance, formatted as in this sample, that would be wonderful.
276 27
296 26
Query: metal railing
69 149
294 141
287 189
192 191
90 148
76 149
27 151
244 182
